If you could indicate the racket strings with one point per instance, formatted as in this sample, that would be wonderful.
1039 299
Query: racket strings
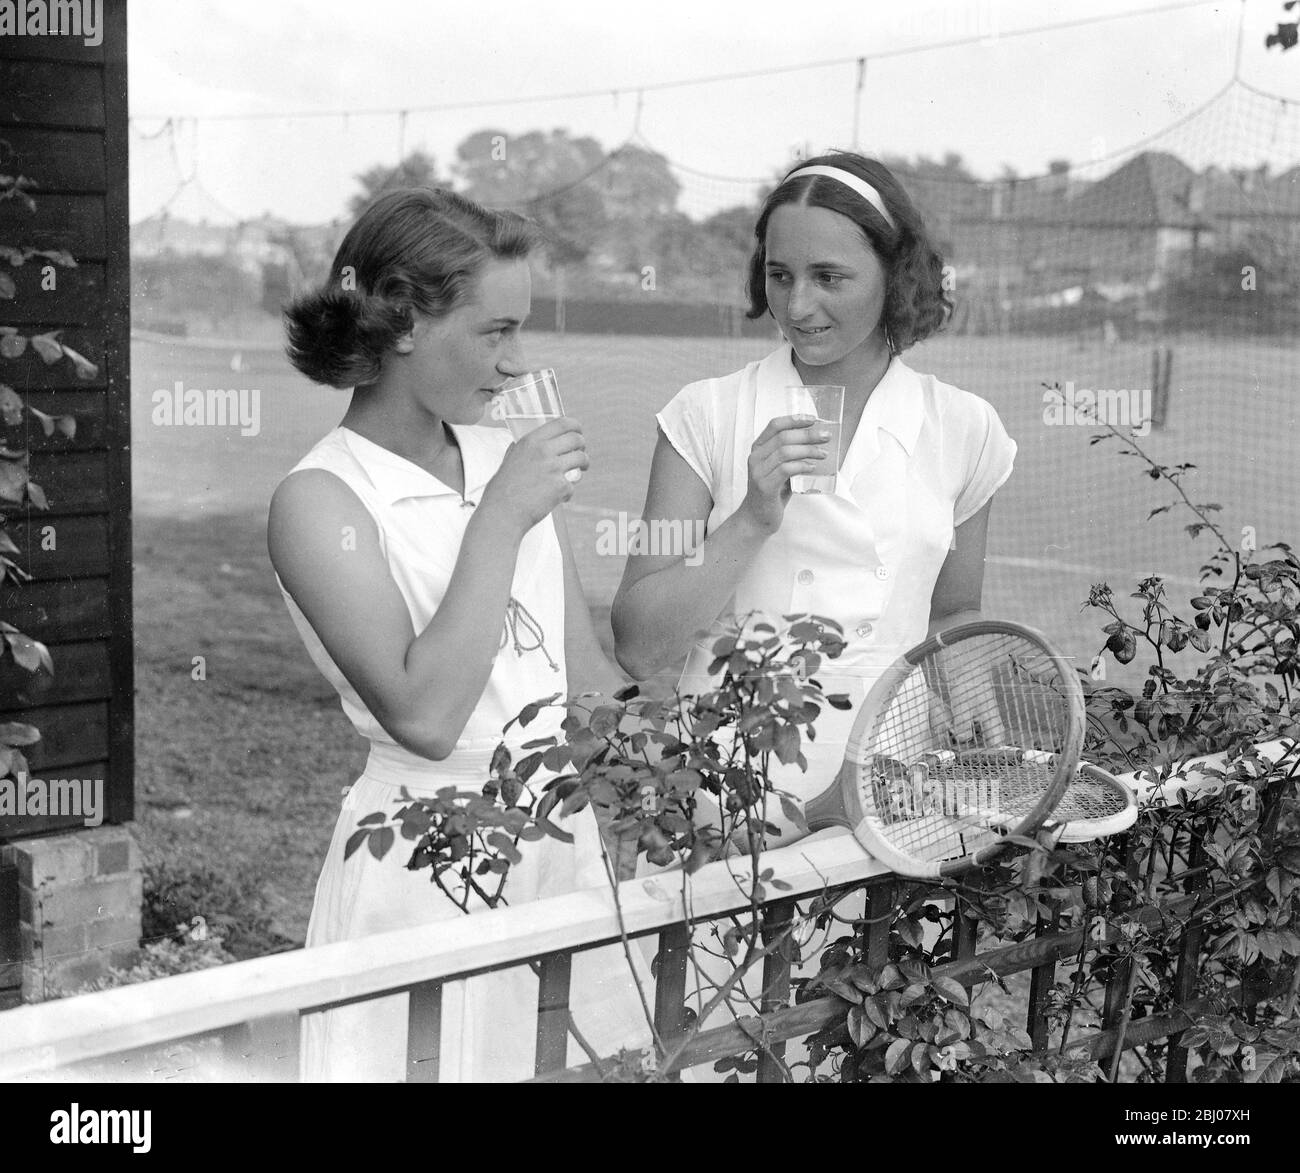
961 807
1087 798
966 748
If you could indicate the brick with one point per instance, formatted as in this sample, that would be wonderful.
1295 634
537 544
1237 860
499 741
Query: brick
70 858
76 971
11 856
119 932
60 941
80 897
115 849
33 983
41 981
27 904
112 857
116 897
55 859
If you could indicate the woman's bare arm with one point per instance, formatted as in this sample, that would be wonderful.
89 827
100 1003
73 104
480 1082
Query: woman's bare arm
663 600
959 589
421 687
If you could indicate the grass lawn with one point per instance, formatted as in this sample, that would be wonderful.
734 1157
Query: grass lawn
242 770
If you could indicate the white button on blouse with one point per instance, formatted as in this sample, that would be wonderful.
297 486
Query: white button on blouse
926 456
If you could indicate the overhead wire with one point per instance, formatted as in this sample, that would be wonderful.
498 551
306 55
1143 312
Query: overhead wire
169 125
682 83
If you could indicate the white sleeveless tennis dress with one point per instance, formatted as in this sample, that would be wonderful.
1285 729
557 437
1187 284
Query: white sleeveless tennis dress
488 1022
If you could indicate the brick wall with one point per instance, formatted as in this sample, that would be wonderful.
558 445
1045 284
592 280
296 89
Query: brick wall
78 903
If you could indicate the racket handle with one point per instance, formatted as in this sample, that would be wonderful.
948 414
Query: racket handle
827 809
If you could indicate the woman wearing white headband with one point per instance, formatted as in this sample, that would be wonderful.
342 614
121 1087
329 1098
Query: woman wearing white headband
844 265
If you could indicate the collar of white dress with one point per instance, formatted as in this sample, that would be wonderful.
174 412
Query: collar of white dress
895 405
397 478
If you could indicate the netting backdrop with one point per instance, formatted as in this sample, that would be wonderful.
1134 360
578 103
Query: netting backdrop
1164 276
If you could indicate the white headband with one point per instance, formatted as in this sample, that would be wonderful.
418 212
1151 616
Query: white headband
861 186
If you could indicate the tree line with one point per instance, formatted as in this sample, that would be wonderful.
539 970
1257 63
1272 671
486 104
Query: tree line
611 219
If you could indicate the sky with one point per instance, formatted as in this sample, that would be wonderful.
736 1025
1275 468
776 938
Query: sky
1000 100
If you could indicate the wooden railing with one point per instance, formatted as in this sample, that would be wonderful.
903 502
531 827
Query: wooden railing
418 960
549 932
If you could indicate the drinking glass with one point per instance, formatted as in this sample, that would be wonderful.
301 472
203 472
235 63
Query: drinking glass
526 402
827 404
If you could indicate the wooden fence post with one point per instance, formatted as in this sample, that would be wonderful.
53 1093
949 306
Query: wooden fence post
882 899
553 974
1041 980
965 929
1189 955
670 984
1161 369
424 1032
1119 986
776 986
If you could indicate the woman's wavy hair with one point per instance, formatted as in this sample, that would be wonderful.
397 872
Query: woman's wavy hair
414 248
916 304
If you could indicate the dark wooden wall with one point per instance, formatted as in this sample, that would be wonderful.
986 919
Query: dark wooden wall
63 122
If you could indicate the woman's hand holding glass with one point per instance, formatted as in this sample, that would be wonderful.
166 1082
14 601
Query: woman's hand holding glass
789 446
532 478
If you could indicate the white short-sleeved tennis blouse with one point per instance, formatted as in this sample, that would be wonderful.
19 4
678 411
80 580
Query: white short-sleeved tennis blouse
926 456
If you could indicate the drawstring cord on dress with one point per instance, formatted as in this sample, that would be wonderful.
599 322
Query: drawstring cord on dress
516 614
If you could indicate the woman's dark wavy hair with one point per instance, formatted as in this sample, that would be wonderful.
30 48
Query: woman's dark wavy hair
414 248
916 304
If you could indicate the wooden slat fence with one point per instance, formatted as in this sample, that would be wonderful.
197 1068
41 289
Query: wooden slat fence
419 961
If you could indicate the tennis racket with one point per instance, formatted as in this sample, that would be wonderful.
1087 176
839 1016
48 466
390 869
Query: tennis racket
1095 804
970 736
1190 777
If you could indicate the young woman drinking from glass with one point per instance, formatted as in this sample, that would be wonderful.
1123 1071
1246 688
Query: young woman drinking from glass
428 572
895 548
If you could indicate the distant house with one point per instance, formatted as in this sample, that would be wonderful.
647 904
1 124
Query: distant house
1128 232
1246 205
1140 223
1013 240
251 245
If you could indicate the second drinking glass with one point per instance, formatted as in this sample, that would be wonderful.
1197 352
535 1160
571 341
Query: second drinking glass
826 402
